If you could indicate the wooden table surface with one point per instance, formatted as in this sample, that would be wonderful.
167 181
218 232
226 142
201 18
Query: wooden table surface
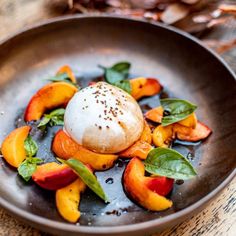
218 218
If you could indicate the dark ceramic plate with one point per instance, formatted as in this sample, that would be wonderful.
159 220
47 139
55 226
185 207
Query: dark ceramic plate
186 68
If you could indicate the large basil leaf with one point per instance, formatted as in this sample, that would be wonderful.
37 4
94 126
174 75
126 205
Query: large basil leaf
30 146
87 177
177 109
168 162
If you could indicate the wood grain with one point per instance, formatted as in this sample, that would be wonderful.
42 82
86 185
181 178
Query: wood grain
218 218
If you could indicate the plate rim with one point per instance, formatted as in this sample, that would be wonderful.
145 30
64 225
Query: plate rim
64 226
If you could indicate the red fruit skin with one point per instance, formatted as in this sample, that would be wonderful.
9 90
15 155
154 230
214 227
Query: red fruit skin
55 179
160 184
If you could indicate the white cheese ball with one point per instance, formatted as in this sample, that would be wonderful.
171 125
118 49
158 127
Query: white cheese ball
103 118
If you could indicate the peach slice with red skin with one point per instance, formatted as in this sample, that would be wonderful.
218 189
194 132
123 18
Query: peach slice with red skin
146 135
68 198
190 121
140 188
13 149
65 147
53 176
66 69
142 87
192 135
50 96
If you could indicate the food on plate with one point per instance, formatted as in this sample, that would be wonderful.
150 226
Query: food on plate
141 189
95 126
68 198
65 147
50 96
12 148
142 87
53 176
103 118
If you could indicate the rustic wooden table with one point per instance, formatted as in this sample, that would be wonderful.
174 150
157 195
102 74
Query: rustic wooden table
218 218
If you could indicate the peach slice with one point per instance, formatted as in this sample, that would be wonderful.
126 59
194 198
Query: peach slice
141 87
155 114
192 135
65 147
190 121
139 149
66 69
67 200
162 135
146 135
53 176
13 149
137 186
48 97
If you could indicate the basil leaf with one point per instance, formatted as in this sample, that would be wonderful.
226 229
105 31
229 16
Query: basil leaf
56 117
30 146
112 76
124 84
28 167
117 75
62 77
179 109
122 67
43 123
87 177
168 162
57 112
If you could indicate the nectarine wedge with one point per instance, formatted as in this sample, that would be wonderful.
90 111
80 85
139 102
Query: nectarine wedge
190 121
162 135
66 69
142 87
65 147
137 187
13 149
48 97
139 149
146 135
67 200
155 114
192 135
53 176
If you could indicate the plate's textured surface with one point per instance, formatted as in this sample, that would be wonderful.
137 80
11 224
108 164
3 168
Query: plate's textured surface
192 74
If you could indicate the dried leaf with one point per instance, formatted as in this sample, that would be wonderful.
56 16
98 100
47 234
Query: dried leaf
226 8
174 13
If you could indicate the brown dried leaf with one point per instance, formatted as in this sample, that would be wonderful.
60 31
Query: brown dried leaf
174 13
226 8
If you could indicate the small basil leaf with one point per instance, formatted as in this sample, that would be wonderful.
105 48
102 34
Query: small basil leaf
30 146
87 177
56 120
124 84
62 77
122 67
168 162
57 112
43 123
28 167
178 110
112 76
